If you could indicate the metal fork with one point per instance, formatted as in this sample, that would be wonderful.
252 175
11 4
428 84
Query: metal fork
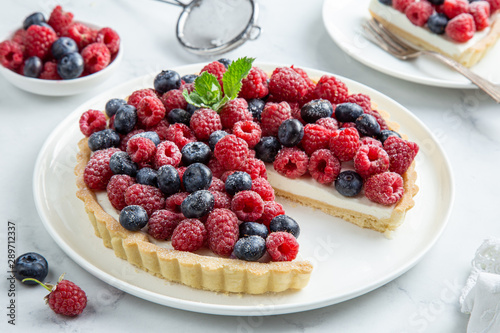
392 44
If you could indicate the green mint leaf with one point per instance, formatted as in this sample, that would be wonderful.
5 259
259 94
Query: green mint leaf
208 88
236 72
193 98
217 106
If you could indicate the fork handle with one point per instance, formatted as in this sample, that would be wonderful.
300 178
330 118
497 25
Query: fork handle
483 84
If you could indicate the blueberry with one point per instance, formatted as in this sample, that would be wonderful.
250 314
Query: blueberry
70 66
147 176
195 152
179 116
190 108
189 78
133 217
35 18
437 23
197 204
316 109
215 137
167 80
120 163
125 119
253 229
225 61
168 179
384 134
386 2
438 2
151 135
31 265
103 139
113 105
250 248
63 46
290 132
348 112
32 67
256 106
349 183
267 149
367 125
197 177
285 223
238 181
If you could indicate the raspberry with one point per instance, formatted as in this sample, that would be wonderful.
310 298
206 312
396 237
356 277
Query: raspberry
11 55
160 128
217 185
97 171
315 137
330 124
96 57
254 85
370 160
248 131
494 5
401 5
150 111
148 197
110 38
453 8
81 34
291 162
39 40
216 168
135 98
204 122
231 152
361 99
379 118
187 86
271 210
261 186
401 153
288 85
295 112
234 111
189 235
247 205
324 167
180 134
419 12
370 141
344 144
19 37
141 149
480 11
60 20
461 28
254 167
173 99
124 140
92 121
384 188
222 231
116 188
173 202
217 69
227 174
304 75
272 116
162 223
347 125
332 89
221 200
167 153
282 246
67 299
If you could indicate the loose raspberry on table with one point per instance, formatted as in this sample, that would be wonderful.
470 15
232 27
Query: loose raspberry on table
148 197
384 188
344 144
272 116
67 299
332 89
453 8
288 85
249 131
110 38
217 69
231 152
271 210
401 153
419 12
217 185
216 168
233 111
254 85
162 223
135 98
254 167
221 199
480 11
96 57
315 137
124 139
59 20
367 140
222 231
370 160
173 99
329 123
150 111
82 34
189 235
92 121
39 40
291 162
180 134
97 171
324 167
401 5
167 153
204 122
173 202
11 55
141 149
261 186
461 28
247 205
361 99
116 188
282 246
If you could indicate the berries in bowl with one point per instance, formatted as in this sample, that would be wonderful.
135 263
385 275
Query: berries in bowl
58 56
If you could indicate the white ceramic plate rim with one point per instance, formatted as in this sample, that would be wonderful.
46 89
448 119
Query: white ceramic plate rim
218 309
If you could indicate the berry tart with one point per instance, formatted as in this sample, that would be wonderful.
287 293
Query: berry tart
460 29
181 179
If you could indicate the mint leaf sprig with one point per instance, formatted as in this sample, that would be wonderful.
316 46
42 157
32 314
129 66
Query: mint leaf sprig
207 91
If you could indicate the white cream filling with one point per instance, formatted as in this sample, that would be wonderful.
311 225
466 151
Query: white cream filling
442 42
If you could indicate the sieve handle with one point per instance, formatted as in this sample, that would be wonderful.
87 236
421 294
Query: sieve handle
175 3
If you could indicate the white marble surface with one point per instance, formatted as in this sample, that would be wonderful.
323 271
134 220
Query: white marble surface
425 299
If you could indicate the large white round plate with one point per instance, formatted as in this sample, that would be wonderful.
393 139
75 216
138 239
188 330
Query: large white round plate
343 20
348 261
